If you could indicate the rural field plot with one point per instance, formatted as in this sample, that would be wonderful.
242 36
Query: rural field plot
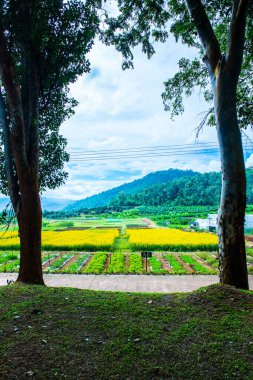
80 240
9 262
97 264
9 241
47 257
55 265
88 223
118 263
88 240
65 262
165 239
250 260
76 266
132 263
119 253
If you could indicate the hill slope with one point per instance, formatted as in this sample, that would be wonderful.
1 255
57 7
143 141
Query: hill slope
201 189
138 185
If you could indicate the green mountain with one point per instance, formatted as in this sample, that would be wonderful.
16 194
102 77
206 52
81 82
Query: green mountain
201 189
168 187
136 186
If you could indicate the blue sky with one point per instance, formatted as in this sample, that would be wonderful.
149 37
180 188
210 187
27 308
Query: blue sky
123 109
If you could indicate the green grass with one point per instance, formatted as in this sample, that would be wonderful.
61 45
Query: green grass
176 266
53 224
172 247
97 264
64 333
121 244
77 247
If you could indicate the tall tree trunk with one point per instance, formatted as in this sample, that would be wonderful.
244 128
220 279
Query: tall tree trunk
29 221
233 267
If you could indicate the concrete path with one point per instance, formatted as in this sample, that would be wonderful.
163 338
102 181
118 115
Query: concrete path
127 283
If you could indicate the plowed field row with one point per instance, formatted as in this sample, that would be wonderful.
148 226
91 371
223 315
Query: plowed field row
118 263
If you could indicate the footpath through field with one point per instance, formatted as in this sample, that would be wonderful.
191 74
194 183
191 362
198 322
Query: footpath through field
127 283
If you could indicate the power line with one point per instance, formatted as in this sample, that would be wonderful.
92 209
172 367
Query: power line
150 154
150 148
204 148
159 147
164 154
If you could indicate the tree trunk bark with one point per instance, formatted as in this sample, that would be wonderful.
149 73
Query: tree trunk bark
29 221
232 254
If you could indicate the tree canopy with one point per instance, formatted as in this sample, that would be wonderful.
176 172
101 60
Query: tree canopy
59 34
43 48
149 21
201 189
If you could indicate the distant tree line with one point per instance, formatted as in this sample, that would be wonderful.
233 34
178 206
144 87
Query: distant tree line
199 190
202 189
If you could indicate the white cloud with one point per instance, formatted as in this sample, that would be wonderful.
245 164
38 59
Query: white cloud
123 109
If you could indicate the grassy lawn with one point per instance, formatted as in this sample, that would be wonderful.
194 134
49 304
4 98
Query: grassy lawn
57 333
62 224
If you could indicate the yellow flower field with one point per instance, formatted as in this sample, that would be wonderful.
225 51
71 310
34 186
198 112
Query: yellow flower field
92 240
171 239
9 238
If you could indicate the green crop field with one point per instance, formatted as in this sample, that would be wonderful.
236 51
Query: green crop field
168 263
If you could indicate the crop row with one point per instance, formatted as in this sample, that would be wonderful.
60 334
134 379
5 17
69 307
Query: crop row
158 239
102 263
117 263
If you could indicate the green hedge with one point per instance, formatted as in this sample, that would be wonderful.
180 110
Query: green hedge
173 248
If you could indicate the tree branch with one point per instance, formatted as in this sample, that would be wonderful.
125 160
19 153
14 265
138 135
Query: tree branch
12 90
237 38
8 162
206 34
14 103
203 121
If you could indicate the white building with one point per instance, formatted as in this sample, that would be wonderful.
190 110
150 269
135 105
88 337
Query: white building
206 224
211 222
